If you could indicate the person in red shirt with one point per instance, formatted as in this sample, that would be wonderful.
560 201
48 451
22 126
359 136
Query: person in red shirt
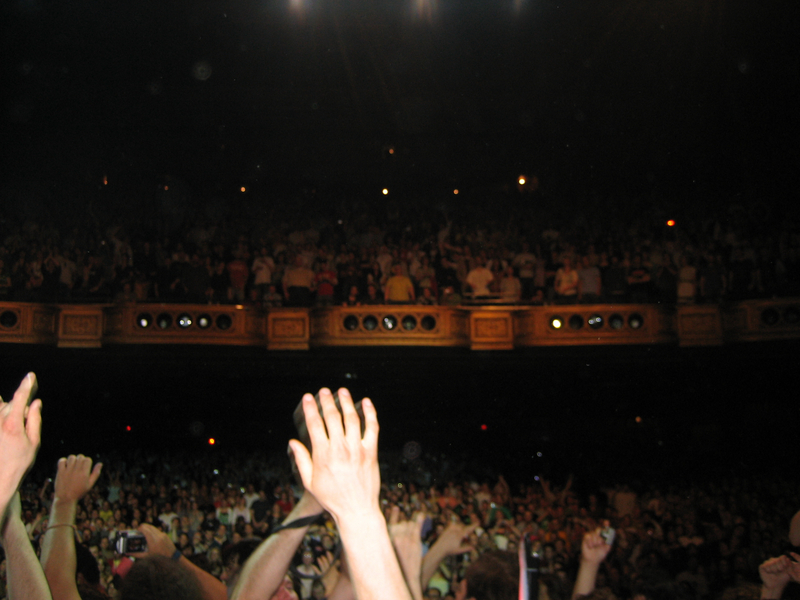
326 282
238 272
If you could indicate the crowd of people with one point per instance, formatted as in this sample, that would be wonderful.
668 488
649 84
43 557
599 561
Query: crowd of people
317 253
339 524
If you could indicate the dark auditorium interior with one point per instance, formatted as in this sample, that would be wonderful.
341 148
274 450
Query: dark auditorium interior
553 240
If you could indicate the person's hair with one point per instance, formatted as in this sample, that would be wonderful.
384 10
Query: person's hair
157 577
86 565
494 576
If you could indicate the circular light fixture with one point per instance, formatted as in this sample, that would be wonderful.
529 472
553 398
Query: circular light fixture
409 322
9 319
770 317
144 320
635 321
556 322
369 322
428 323
224 322
204 321
184 321
791 315
616 321
164 320
351 322
575 322
389 322
595 321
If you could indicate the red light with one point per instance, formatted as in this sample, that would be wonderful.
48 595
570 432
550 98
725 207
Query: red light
128 428
211 441
484 427
671 223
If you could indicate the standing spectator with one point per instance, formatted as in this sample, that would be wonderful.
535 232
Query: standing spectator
479 278
589 283
525 261
263 267
638 280
510 286
238 272
325 281
298 283
712 279
398 288
687 281
566 283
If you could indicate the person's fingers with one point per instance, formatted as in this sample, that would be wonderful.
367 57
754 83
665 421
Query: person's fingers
33 424
20 400
303 461
352 423
95 474
314 424
371 420
333 418
394 515
419 521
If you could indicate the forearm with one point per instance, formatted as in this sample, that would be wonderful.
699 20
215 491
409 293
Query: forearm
213 588
374 569
431 562
58 550
771 593
264 570
585 581
25 579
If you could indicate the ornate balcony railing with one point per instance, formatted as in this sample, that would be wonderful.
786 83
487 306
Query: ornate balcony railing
492 327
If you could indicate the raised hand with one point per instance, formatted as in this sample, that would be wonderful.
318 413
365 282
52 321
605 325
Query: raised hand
775 573
343 474
451 540
407 541
20 435
75 477
594 548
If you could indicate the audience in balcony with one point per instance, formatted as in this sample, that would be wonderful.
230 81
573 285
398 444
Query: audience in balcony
740 257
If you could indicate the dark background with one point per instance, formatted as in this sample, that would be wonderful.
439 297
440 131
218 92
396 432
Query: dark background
597 98
704 412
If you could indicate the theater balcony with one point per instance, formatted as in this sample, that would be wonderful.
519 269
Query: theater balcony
491 327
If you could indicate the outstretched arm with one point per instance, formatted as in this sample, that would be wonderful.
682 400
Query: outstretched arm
20 431
26 580
450 542
344 477
263 572
593 552
74 478
407 541
158 542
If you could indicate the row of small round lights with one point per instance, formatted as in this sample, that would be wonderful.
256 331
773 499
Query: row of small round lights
596 321
772 317
183 321
389 323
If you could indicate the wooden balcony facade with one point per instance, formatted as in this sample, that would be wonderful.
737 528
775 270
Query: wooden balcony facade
495 327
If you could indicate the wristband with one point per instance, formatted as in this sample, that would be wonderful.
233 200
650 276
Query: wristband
297 524
74 528
176 556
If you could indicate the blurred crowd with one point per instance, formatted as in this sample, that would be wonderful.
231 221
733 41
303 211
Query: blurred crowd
704 538
313 252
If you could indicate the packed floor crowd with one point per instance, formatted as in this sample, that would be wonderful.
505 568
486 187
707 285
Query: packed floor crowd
703 539
312 252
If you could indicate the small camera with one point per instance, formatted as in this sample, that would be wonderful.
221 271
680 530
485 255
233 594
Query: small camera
608 534
130 541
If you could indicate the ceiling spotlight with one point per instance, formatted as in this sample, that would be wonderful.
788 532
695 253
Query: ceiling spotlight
556 322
